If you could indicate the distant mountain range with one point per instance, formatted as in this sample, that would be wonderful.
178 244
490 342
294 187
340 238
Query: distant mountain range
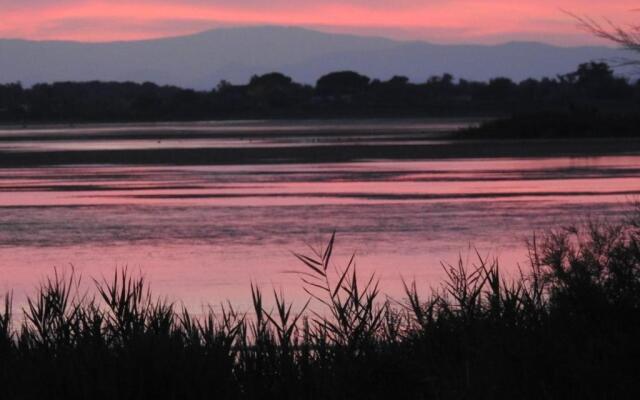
235 54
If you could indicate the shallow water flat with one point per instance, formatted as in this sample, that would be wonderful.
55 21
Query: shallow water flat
202 234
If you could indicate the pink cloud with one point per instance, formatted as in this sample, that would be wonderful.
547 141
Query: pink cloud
437 20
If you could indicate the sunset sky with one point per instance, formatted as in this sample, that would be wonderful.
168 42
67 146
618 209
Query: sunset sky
443 21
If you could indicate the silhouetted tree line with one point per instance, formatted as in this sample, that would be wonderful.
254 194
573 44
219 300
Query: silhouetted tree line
593 86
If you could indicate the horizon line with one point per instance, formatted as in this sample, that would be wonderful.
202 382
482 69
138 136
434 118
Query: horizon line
398 41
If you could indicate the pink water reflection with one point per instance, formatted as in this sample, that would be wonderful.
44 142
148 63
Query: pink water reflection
202 234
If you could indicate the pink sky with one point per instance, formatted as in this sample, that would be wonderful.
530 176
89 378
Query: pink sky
444 21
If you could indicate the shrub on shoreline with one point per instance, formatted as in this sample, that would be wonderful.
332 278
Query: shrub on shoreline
576 124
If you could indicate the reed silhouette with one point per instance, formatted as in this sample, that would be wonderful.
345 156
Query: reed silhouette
567 327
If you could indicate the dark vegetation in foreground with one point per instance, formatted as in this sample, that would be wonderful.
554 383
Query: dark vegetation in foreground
592 86
568 327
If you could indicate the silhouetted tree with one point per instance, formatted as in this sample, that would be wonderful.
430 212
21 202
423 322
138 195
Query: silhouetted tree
597 79
223 85
398 80
273 79
342 83
446 80
628 38
275 90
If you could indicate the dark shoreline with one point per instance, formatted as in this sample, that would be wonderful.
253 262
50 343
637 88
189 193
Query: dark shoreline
466 149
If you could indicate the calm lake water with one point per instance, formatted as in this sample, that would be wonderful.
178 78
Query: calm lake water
202 234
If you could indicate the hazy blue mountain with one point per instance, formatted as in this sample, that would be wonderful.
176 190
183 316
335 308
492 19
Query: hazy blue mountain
235 54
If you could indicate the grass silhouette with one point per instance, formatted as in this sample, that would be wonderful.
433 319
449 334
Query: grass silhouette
567 327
